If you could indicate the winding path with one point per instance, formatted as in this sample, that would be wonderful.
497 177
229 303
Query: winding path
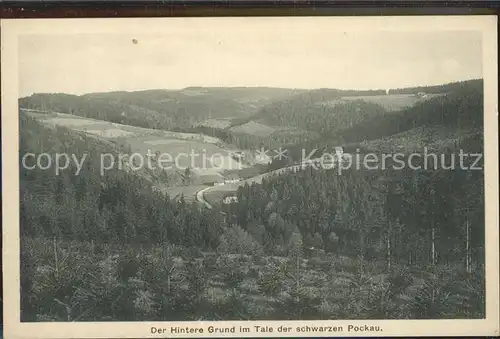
256 179
201 198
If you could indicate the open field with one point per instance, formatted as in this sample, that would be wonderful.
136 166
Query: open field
186 153
215 195
111 133
281 134
217 123
434 139
391 102
253 128
88 125
94 126
189 192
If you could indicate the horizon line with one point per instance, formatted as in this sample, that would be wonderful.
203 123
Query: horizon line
254 87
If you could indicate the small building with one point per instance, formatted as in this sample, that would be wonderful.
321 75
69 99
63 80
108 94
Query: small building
212 180
232 178
230 199
231 181
238 155
339 151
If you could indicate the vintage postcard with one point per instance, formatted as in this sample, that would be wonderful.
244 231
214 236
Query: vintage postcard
250 177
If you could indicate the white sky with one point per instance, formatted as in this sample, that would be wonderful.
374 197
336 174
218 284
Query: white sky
246 55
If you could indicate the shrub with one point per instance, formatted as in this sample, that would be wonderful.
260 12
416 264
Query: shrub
271 283
237 240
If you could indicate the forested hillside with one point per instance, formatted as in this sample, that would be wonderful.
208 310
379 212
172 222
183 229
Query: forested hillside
340 117
320 118
326 110
459 112
312 111
115 207
459 109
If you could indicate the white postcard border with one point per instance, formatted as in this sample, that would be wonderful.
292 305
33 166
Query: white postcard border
12 28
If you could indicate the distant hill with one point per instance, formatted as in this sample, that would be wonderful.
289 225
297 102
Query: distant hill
160 109
328 111
461 109
448 121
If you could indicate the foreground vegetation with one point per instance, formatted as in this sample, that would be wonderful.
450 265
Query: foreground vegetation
79 281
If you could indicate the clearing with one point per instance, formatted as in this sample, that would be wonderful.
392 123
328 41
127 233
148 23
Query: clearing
253 128
391 102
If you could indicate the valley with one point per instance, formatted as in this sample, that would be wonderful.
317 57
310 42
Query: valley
238 235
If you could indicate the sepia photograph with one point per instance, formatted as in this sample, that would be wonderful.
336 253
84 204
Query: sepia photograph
207 177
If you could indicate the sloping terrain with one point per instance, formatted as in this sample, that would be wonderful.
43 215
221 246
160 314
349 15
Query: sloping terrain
390 102
253 128
205 155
